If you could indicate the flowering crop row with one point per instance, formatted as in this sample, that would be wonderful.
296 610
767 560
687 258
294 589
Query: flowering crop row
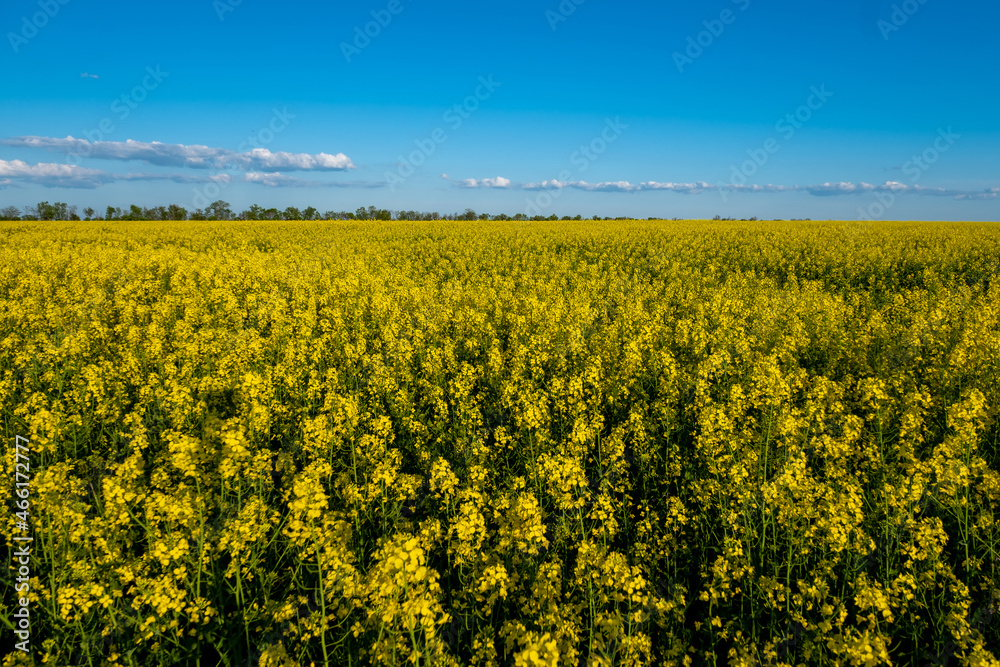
479 443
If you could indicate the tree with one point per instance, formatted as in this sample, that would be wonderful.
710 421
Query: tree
219 210
10 213
47 211
57 211
310 213
292 213
175 212
134 213
155 213
88 212
255 212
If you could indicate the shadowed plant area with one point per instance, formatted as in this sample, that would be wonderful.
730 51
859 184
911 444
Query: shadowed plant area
486 443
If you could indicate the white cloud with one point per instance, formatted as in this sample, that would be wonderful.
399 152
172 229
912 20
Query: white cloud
895 187
55 175
180 155
265 159
686 188
52 175
498 182
829 189
758 188
545 185
272 179
277 179
991 193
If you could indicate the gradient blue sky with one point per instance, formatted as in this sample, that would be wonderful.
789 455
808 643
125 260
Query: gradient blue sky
686 131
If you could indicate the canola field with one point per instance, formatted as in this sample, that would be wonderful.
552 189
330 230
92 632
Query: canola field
486 443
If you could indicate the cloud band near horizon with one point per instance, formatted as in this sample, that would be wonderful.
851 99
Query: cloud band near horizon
189 156
828 189
264 167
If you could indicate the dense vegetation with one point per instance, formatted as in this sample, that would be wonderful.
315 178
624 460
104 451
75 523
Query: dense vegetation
495 443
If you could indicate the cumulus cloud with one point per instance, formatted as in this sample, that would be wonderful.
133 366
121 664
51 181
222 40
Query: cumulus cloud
619 186
759 188
472 183
193 156
53 175
990 193
277 179
895 187
272 179
554 184
498 182
829 189
607 186
685 188
262 158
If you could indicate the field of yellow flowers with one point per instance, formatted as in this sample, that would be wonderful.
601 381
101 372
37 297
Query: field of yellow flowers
485 443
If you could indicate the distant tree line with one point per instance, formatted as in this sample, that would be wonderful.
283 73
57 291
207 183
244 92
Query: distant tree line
221 210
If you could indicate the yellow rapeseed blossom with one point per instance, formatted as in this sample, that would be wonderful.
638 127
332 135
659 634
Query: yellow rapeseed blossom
630 442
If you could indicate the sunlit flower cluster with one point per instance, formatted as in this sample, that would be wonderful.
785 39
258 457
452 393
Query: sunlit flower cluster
484 443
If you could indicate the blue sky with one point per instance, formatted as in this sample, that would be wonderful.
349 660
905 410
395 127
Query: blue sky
767 108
